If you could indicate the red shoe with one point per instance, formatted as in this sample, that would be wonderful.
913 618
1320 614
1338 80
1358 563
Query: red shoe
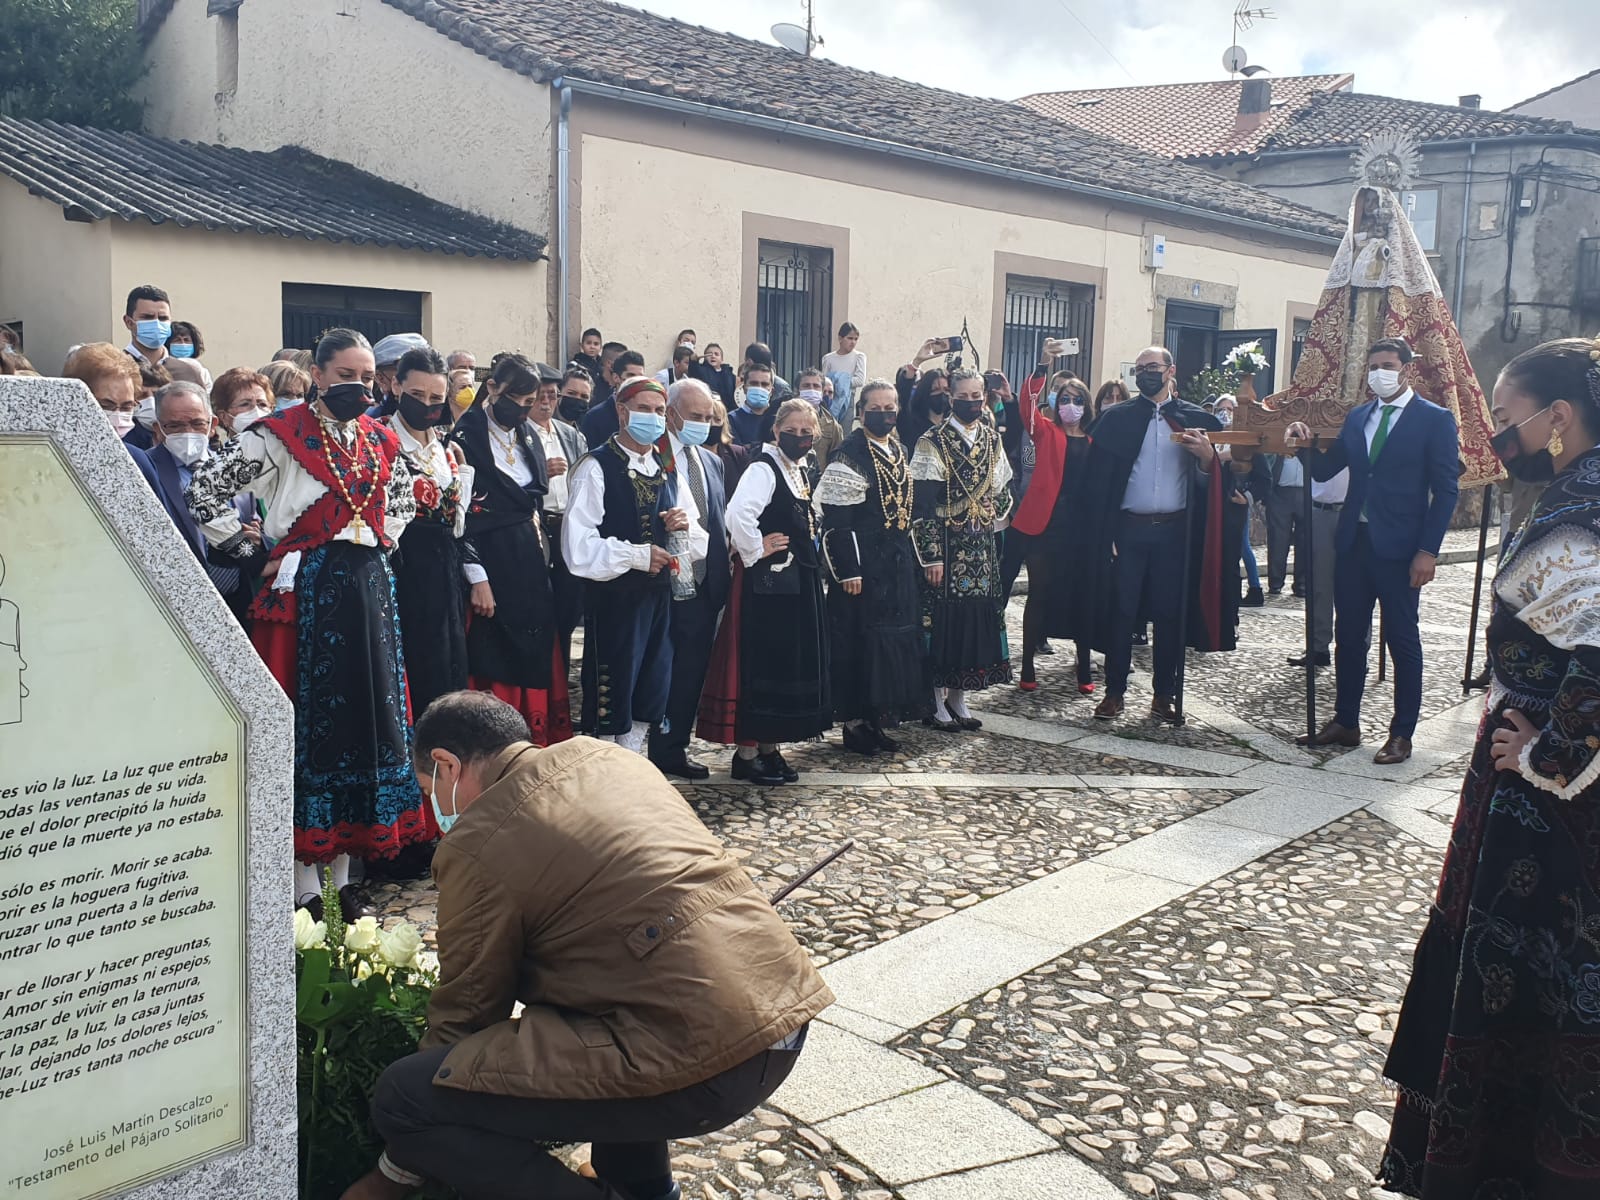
1086 689
1028 686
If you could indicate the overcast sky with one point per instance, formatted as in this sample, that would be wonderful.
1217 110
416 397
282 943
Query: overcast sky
1436 50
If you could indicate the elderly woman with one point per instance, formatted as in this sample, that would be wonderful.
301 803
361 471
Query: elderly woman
112 377
769 675
879 668
1494 1054
240 397
290 385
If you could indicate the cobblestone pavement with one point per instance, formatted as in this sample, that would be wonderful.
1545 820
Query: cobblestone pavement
1080 960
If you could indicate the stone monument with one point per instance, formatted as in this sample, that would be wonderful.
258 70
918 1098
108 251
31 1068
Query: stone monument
146 941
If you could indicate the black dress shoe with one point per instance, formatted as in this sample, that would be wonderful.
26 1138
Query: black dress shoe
312 903
353 904
1253 599
684 767
757 770
1165 708
776 759
1320 658
1331 734
859 740
884 741
968 723
951 726
1044 647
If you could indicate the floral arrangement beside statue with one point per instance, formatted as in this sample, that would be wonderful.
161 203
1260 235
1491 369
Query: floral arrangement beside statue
1249 360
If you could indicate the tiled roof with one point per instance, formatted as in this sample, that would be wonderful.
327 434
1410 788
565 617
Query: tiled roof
1553 90
601 42
94 174
1183 120
1341 119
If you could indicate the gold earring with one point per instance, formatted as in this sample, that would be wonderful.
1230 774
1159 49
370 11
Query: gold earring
1554 445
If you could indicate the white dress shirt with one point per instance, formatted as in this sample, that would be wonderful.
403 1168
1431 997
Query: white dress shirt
591 556
700 538
1291 473
431 458
1331 491
751 498
1159 480
555 497
1375 417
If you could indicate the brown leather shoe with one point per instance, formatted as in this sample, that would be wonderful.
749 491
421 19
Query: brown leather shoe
1395 750
1165 708
1108 709
1331 734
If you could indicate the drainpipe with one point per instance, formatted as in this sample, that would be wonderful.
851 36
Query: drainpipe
1461 255
563 201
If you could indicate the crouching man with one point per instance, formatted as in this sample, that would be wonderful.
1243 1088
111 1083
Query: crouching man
662 996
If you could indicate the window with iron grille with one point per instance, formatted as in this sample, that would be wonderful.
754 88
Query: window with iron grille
1041 308
794 304
1302 328
310 308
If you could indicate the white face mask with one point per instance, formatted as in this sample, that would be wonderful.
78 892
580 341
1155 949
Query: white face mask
445 819
146 412
187 448
1383 382
243 421
121 423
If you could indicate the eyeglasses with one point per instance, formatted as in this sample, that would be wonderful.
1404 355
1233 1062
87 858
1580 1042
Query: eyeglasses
198 425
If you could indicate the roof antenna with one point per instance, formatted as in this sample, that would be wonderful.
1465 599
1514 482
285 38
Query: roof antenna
1234 59
802 40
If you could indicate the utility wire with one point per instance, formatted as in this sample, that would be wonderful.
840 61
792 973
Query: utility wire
1097 41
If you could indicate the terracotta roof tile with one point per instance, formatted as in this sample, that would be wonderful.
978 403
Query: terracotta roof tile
1183 120
607 43
94 174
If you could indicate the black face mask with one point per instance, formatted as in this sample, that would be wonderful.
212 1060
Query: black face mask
508 414
1150 383
419 415
714 437
966 411
572 408
879 421
347 401
795 446
939 404
1537 467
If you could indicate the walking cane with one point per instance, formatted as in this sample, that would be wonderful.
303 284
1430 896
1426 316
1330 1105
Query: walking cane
1307 542
842 849
1468 684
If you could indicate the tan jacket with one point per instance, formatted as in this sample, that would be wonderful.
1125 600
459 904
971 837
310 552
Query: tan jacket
583 885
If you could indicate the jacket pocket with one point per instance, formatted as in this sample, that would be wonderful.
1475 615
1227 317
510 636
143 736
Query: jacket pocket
673 919
591 1031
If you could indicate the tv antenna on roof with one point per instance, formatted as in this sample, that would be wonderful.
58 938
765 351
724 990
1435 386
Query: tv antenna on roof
1234 59
801 39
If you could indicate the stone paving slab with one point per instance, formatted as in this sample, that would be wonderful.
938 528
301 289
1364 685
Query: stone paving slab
1284 812
1228 1042
839 1072
934 1132
1192 852
1040 1177
1077 904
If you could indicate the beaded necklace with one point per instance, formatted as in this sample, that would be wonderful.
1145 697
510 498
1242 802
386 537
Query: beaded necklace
368 461
979 505
508 447
894 483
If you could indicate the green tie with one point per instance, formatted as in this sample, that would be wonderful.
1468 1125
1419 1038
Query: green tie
1382 436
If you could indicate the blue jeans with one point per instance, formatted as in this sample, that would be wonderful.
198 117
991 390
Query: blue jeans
1251 570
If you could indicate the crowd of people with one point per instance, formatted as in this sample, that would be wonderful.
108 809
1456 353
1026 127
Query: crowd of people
757 561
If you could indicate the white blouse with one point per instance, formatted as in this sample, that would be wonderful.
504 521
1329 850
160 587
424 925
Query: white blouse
751 498
590 556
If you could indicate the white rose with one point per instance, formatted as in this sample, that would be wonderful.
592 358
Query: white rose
308 933
362 937
399 945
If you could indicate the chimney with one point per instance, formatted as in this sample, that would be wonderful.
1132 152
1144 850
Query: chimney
1472 101
1255 102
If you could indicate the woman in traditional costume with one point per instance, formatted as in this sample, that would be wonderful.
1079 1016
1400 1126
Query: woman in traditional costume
960 499
429 571
1495 1052
337 494
768 681
878 661
511 634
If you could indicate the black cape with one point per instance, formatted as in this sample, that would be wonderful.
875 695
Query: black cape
1213 583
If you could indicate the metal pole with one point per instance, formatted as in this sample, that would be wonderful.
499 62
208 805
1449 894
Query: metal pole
1307 539
1477 594
1186 597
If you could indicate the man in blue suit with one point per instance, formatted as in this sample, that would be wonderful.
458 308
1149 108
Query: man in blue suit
1403 454
693 623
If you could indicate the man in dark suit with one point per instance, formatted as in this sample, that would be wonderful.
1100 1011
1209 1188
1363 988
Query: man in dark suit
693 622
183 430
1403 453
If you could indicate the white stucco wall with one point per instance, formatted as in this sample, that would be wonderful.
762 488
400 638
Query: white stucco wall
661 248
231 286
1578 102
55 277
376 88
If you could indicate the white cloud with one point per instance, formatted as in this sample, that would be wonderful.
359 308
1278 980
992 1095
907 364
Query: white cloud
1433 50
